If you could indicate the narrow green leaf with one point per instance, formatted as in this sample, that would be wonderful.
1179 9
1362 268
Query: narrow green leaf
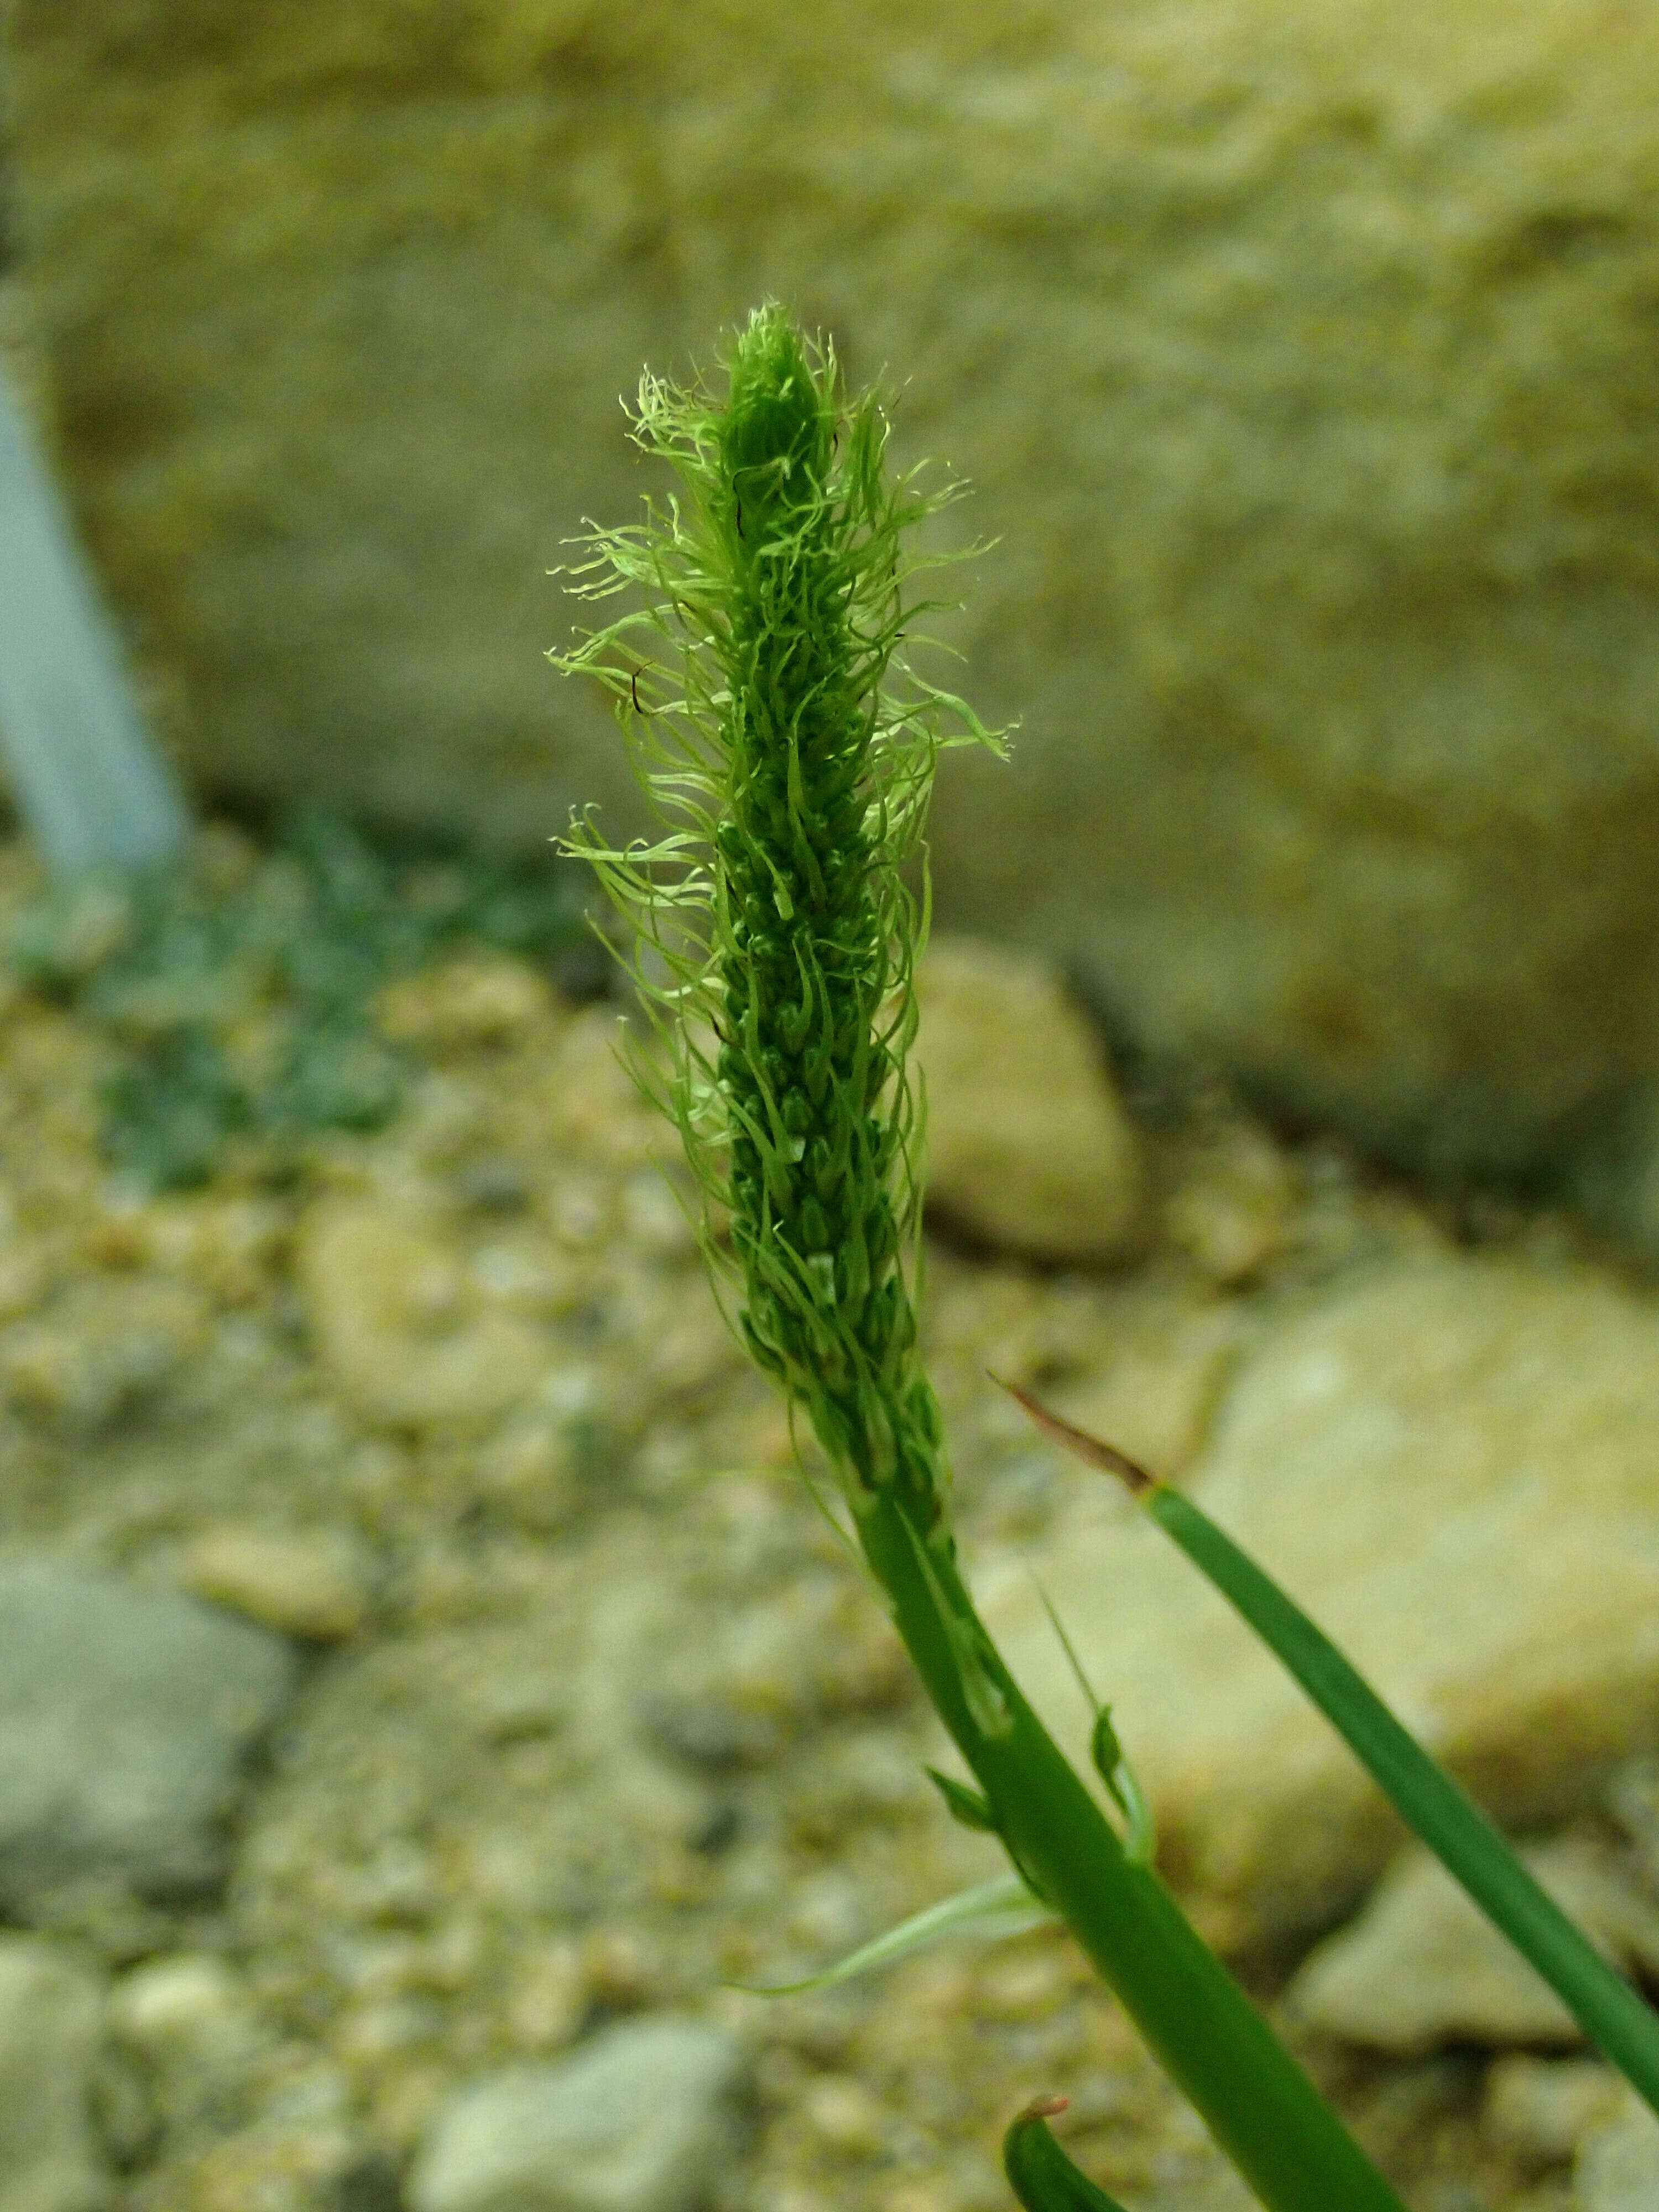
1139 1828
1039 2173
1110 1763
1616 2020
962 1802
1000 1907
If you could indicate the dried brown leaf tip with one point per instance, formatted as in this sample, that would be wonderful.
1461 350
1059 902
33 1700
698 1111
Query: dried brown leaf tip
1093 1450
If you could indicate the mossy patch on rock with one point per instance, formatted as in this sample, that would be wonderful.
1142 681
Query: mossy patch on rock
237 994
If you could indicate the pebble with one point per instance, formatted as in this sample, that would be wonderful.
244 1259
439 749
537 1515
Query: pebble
644 2118
178 2003
126 1718
841 2109
472 1002
1422 1966
1633 1801
25 1274
273 2168
1156 1402
306 1585
102 1355
531 1471
1029 1149
761 1675
231 1247
185 2026
551 1996
411 1340
51 2009
1544 2107
369 2182
1617 2169
594 1102
492 1185
1449 1460
1231 1213
657 1220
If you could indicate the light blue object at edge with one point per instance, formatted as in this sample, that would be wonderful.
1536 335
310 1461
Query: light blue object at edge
91 788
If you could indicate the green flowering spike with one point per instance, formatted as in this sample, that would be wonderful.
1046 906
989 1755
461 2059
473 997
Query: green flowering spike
788 750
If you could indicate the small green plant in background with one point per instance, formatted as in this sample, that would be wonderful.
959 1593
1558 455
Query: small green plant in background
787 745
239 1010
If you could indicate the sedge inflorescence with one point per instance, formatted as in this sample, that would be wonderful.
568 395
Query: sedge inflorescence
787 748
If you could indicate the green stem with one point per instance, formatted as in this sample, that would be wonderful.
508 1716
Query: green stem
1261 2109
1615 2019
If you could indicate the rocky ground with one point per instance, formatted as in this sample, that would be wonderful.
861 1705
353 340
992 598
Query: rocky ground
427 1690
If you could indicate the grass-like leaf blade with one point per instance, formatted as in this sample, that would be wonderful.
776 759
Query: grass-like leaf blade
1039 2173
1617 2022
1001 1907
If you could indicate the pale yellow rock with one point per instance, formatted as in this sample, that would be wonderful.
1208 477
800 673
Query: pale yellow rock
472 1002
51 2015
1545 2107
1156 1401
1232 1211
1422 1966
282 2164
1299 352
105 1353
595 1108
230 1246
531 1471
1633 1798
25 1277
843 2113
306 1583
1617 2169
179 2003
1450 1464
550 1998
409 1335
1028 1150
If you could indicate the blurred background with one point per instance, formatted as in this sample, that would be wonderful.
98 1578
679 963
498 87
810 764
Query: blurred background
1294 1035
1302 358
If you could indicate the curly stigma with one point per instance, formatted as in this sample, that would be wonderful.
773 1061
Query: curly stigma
804 1061
799 784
